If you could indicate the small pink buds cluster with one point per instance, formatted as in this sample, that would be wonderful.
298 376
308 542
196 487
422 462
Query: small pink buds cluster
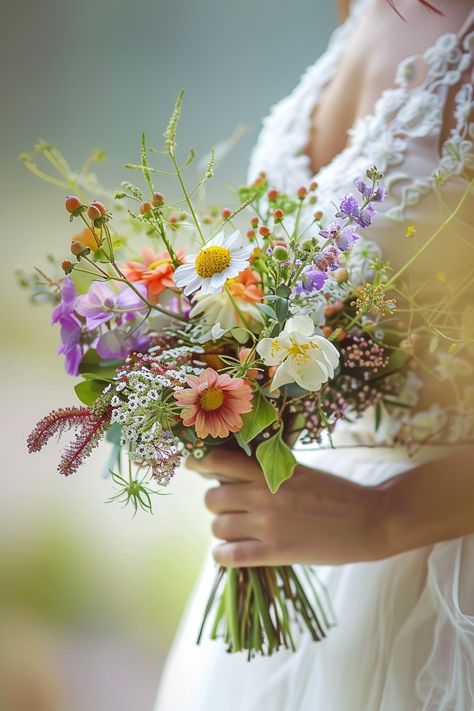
366 354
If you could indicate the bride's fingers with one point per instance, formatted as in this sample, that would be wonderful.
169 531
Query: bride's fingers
243 554
236 526
232 465
237 497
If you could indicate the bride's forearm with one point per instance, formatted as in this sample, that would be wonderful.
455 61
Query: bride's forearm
431 503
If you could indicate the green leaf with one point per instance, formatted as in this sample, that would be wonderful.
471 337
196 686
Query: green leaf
93 365
242 444
267 310
277 461
89 390
261 416
283 290
96 376
281 308
114 433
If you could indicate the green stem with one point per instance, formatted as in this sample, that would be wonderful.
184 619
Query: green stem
187 198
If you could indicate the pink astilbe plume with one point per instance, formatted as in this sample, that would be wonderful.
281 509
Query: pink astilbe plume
89 428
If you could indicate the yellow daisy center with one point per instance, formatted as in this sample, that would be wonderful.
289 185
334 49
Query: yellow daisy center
211 399
212 260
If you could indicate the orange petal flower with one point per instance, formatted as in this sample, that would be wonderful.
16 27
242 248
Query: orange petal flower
214 403
155 271
246 286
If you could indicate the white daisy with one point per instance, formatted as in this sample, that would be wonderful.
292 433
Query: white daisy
220 259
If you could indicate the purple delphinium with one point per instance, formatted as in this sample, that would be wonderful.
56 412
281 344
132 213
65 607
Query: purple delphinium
100 302
311 280
71 328
341 235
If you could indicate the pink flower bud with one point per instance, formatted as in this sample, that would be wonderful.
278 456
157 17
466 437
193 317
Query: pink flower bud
72 203
146 207
157 199
93 213
100 206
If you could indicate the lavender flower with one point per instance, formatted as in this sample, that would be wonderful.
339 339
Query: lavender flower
117 344
70 347
98 306
311 280
71 328
344 236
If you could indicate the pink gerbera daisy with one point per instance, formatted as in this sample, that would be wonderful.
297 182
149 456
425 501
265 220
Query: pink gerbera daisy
214 403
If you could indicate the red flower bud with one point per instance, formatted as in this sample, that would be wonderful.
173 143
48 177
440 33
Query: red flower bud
264 231
301 193
77 248
251 234
72 203
66 266
278 215
254 222
93 213
273 194
100 206
146 207
313 186
157 199
318 215
226 213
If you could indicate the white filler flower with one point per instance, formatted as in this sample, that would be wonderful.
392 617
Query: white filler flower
303 358
220 259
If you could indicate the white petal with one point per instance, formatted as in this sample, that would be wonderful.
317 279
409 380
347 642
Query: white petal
308 374
328 348
283 376
300 325
219 279
234 241
270 351
216 241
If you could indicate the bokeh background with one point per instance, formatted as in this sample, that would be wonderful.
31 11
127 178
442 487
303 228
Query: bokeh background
89 596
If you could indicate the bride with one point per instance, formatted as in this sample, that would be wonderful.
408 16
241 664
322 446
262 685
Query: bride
392 536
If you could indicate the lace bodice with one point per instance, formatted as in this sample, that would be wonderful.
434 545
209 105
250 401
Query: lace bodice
401 137
425 177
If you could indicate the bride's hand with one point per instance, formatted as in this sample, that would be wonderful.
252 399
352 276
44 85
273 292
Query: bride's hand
315 517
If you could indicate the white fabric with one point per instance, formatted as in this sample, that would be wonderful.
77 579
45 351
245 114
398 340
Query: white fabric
405 634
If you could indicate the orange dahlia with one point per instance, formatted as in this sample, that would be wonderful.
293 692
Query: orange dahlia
214 403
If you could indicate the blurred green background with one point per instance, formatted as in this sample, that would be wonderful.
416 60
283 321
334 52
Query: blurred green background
89 597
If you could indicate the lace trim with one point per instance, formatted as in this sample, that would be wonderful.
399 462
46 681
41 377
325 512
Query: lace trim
401 114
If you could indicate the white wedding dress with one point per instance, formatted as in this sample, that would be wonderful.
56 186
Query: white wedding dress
404 639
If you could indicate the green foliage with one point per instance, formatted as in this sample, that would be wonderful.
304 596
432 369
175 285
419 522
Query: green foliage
89 390
92 367
261 416
145 168
170 133
277 461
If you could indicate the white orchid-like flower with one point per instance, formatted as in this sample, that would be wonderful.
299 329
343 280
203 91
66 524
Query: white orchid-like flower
219 259
303 357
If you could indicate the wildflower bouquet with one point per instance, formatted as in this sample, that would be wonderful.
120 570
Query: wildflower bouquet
212 335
